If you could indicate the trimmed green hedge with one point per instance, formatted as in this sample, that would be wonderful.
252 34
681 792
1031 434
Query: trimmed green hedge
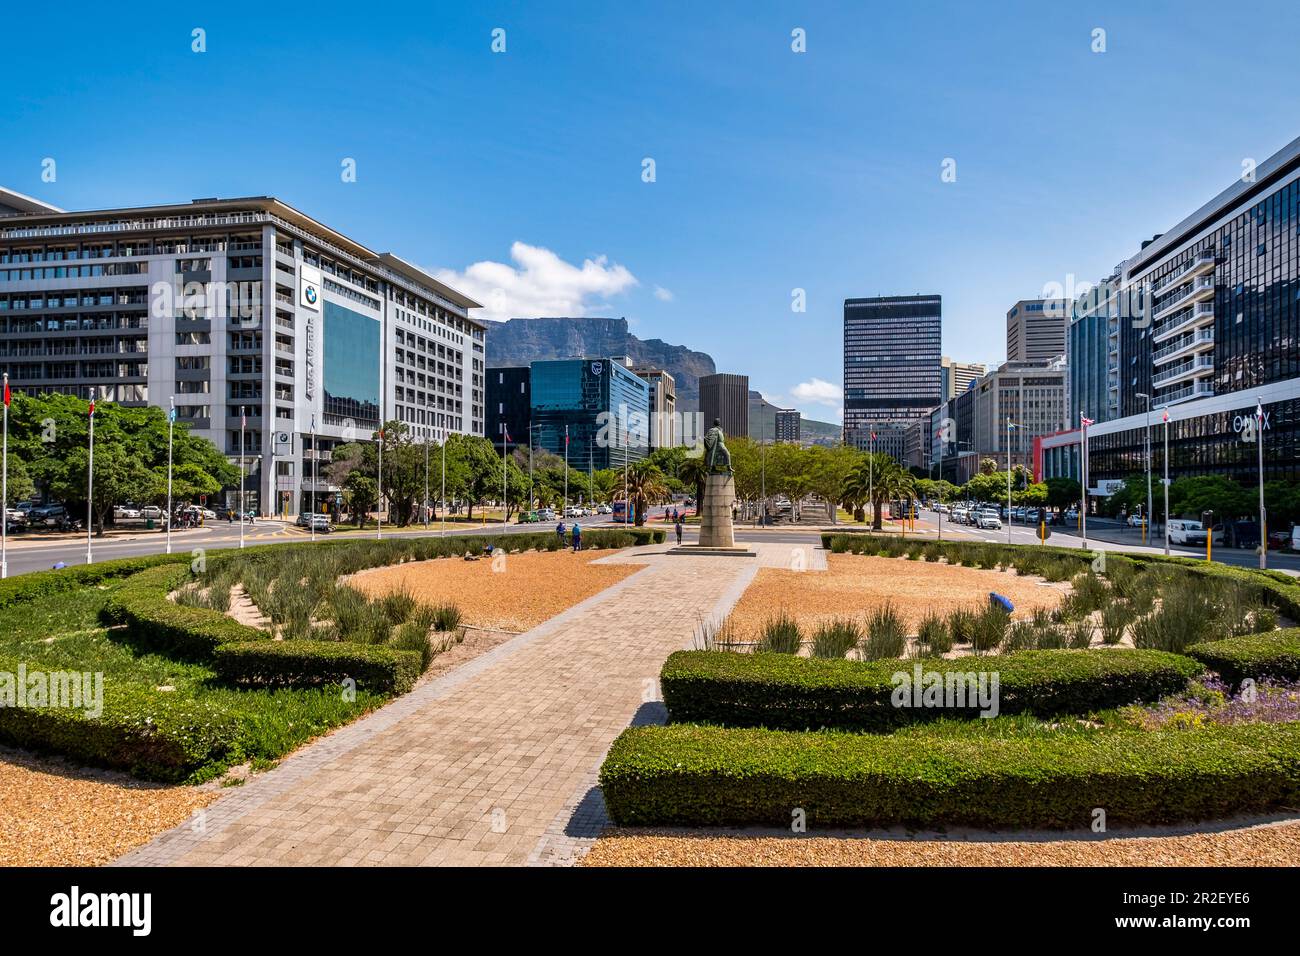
797 693
1271 656
151 735
40 584
709 776
1282 590
382 670
157 624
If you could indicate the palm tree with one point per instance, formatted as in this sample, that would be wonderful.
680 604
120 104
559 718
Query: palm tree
891 480
857 489
645 486
692 472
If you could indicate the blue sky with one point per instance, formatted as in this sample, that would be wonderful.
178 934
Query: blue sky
774 170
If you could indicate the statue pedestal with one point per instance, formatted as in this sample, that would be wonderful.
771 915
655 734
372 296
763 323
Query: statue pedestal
717 536
715 512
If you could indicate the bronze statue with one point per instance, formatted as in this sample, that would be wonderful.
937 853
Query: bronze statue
717 459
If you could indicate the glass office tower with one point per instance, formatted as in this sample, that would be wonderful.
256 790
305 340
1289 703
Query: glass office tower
602 404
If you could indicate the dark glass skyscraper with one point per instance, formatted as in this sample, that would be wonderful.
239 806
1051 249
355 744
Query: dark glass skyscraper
892 370
598 403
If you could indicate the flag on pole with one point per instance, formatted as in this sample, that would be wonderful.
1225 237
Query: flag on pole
92 407
566 436
1165 416
243 416
505 431
171 415
873 436
6 391
1088 421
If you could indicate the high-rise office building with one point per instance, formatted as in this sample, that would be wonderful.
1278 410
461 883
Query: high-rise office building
663 405
787 425
1208 326
595 407
957 376
892 367
1092 352
1036 330
1029 395
509 406
726 398
239 310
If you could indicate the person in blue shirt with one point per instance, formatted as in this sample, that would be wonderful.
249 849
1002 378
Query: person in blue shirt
559 532
577 537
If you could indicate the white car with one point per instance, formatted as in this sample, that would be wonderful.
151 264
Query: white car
604 510
1183 531
989 521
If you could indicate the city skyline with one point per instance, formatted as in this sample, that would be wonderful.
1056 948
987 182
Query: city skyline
578 232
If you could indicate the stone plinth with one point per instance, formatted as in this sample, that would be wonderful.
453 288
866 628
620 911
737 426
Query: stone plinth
715 512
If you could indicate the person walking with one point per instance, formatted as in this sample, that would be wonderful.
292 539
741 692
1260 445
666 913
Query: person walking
677 526
577 537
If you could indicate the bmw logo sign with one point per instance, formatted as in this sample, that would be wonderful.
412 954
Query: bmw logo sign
310 294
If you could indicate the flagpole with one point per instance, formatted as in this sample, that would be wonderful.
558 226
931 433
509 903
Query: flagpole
171 424
379 501
871 479
505 435
1083 485
1166 482
1008 481
243 447
627 502
90 486
311 492
426 481
444 483
565 506
1259 441
4 494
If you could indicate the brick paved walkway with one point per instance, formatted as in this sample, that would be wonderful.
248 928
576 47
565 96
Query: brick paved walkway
494 763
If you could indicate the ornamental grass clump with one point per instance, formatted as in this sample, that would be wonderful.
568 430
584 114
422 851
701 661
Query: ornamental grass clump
933 634
886 634
781 635
836 638
989 629
1115 617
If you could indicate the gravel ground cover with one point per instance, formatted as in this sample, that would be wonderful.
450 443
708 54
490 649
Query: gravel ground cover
514 592
853 585
1270 844
54 813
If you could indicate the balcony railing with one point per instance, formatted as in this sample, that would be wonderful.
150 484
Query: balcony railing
1198 363
1199 337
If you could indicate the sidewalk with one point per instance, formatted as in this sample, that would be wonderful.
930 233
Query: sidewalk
493 763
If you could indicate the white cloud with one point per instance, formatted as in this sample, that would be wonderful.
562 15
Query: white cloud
662 294
540 283
817 391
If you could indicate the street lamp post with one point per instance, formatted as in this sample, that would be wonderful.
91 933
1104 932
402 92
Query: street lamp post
171 421
1146 517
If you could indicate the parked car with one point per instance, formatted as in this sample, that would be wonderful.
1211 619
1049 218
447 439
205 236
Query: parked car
989 521
604 510
321 523
1186 531
124 512
546 514
528 517
151 511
